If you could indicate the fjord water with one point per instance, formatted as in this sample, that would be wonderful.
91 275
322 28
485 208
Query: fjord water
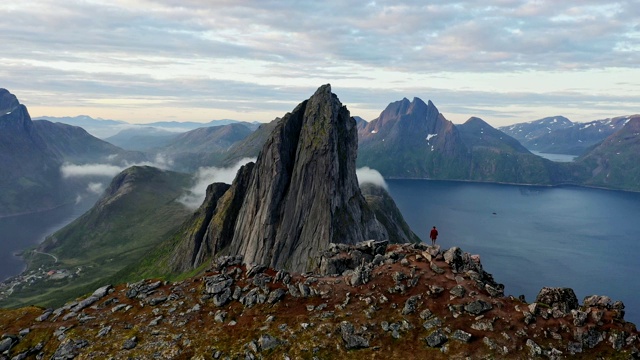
530 237
18 233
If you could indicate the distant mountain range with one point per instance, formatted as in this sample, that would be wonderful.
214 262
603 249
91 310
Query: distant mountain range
615 162
558 135
104 128
205 146
414 140
33 152
408 139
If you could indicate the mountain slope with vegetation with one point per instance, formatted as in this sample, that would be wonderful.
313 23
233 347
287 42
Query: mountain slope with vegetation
614 163
135 213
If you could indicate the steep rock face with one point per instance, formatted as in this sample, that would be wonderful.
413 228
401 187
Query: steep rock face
195 228
32 152
412 139
222 226
300 196
303 193
210 230
388 214
30 179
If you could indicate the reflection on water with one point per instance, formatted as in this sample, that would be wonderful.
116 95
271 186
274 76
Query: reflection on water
18 233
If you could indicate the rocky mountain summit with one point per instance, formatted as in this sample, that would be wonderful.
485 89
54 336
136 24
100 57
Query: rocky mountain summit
373 300
412 139
301 195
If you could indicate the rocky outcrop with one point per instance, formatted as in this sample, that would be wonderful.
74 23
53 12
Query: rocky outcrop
301 195
404 307
388 214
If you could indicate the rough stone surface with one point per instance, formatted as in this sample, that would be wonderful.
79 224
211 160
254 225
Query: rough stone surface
303 193
563 299
410 305
462 336
299 197
436 338
351 340
478 307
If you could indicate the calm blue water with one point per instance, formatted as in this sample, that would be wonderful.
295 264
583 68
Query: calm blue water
585 239
21 232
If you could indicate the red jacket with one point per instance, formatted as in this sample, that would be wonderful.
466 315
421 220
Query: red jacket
433 234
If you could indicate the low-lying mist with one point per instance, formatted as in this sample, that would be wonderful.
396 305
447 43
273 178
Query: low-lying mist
207 175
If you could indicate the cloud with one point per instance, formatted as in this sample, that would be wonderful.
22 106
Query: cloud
208 175
95 188
71 170
367 175
150 60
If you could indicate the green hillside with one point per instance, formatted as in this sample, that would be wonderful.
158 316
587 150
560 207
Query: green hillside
133 216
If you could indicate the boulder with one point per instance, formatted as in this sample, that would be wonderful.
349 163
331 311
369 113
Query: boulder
478 307
436 338
410 305
563 299
351 340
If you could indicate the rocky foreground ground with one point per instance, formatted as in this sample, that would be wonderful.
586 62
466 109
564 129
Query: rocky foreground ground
401 301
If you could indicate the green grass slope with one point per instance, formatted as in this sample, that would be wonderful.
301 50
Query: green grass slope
129 221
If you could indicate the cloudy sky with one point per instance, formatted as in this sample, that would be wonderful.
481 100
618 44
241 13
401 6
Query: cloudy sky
196 60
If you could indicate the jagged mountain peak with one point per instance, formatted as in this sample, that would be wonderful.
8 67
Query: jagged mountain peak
404 107
8 102
301 195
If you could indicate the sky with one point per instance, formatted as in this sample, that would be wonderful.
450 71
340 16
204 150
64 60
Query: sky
140 61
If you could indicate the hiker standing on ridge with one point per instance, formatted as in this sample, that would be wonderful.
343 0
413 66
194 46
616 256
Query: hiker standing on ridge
433 235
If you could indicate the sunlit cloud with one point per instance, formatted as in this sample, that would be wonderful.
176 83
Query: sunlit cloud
144 61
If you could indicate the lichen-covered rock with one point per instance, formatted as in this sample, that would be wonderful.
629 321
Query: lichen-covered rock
410 305
351 340
478 307
599 301
462 336
275 296
436 338
563 299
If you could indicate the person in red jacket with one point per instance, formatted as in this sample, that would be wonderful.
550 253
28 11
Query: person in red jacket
433 235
